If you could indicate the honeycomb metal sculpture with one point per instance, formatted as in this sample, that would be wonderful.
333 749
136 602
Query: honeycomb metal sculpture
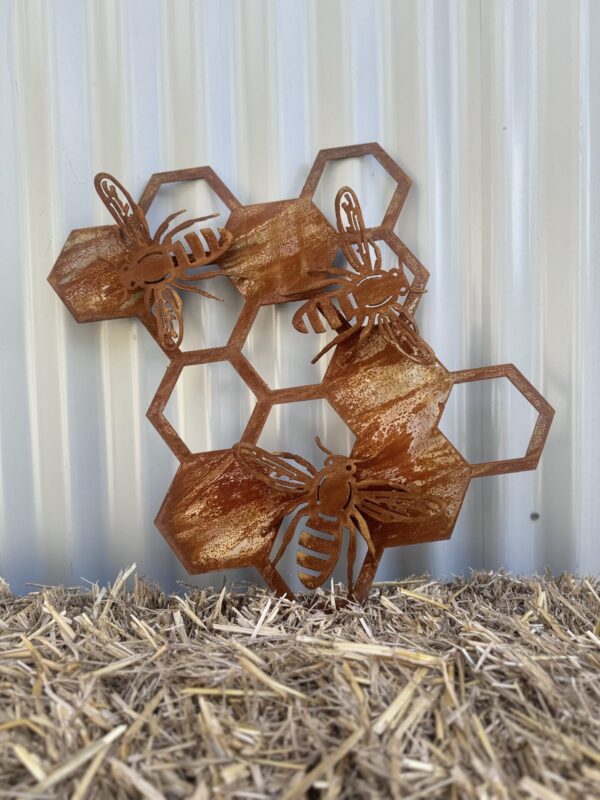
224 508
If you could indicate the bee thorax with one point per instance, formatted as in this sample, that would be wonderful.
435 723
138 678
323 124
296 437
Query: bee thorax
377 289
334 494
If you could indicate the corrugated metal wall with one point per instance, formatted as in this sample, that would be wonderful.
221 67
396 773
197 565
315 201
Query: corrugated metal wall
492 107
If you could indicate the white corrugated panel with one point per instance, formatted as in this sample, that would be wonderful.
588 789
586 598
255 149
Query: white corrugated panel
493 108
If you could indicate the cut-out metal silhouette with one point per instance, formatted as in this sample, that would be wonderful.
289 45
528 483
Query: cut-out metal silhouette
369 295
160 265
328 500
225 508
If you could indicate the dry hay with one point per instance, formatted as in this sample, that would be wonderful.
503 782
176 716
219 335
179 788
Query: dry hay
482 688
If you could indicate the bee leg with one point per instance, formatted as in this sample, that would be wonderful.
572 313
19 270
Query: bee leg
287 537
363 529
200 276
164 225
168 239
411 344
351 556
187 288
148 300
391 337
339 338
404 315
368 328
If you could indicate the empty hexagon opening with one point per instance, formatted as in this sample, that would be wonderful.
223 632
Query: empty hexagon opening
488 420
281 354
373 184
196 197
208 323
292 427
210 406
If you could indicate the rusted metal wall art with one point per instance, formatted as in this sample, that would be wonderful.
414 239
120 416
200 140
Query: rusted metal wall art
403 482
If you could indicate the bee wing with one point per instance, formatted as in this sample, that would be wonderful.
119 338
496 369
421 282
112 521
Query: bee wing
400 330
124 210
273 469
360 250
388 502
169 317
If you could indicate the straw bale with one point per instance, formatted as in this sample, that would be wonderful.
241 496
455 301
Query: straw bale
486 687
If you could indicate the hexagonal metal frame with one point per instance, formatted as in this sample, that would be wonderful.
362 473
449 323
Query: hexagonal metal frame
541 429
404 400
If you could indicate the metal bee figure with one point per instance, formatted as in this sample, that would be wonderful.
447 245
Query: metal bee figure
368 295
330 500
157 264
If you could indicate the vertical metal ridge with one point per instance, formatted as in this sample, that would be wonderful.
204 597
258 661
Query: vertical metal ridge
510 264
586 464
18 554
558 191
44 361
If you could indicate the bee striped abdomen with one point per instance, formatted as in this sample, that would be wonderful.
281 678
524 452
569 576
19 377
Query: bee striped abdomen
323 552
346 305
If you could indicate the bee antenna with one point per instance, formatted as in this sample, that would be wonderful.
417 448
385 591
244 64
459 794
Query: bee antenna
322 447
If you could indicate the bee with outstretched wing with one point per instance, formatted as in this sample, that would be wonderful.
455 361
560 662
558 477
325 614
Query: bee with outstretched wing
158 264
328 500
364 295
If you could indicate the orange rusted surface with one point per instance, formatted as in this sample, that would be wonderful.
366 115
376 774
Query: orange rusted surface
403 482
275 246
86 276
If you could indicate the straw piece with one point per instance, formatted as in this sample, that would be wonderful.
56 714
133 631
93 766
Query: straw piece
78 760
395 709
327 764
537 790
88 776
60 620
358 650
261 676
31 761
206 692
134 779
423 598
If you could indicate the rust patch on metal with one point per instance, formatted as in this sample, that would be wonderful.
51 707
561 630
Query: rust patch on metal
86 276
403 482
275 247
215 516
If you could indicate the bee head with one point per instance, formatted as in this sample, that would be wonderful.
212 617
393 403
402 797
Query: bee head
129 278
343 463
400 281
